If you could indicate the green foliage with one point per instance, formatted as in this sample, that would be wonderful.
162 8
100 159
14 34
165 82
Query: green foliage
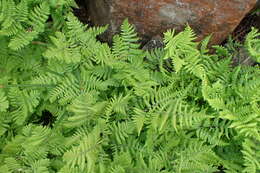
71 104
253 44
25 20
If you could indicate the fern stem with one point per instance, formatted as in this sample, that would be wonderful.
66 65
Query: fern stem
39 43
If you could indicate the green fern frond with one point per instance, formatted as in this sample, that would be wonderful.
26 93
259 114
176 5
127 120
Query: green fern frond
7 12
118 104
177 44
85 109
155 59
126 45
25 27
13 165
39 16
120 132
41 166
214 95
84 156
183 52
101 71
251 155
119 49
216 131
252 44
4 103
23 11
24 103
63 3
12 30
75 28
21 39
62 50
248 126
197 158
67 87
139 119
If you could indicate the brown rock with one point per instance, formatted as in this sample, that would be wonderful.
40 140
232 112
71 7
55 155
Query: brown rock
153 17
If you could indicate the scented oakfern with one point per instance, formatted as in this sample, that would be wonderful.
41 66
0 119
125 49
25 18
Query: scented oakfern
72 104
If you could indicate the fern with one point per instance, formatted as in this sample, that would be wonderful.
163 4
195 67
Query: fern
63 49
70 103
126 45
251 155
252 44
24 21
4 104
87 150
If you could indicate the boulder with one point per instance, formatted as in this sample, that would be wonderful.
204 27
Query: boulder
153 17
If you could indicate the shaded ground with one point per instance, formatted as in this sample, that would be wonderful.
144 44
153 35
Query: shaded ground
81 12
240 55
251 20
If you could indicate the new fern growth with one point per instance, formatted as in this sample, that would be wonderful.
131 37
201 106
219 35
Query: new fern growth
71 104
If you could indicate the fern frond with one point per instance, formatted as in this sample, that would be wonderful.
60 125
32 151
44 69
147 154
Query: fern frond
26 26
12 30
214 95
126 45
118 104
197 158
252 44
183 52
76 30
35 136
84 156
23 11
120 132
62 50
39 16
24 103
84 109
155 59
101 71
68 87
4 104
215 132
41 166
95 31
251 154
13 165
139 119
21 39
248 126
63 3
7 12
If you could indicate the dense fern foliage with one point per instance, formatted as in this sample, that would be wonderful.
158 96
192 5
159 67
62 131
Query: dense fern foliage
71 104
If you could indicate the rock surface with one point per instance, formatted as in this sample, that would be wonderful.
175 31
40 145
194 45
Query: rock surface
153 17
